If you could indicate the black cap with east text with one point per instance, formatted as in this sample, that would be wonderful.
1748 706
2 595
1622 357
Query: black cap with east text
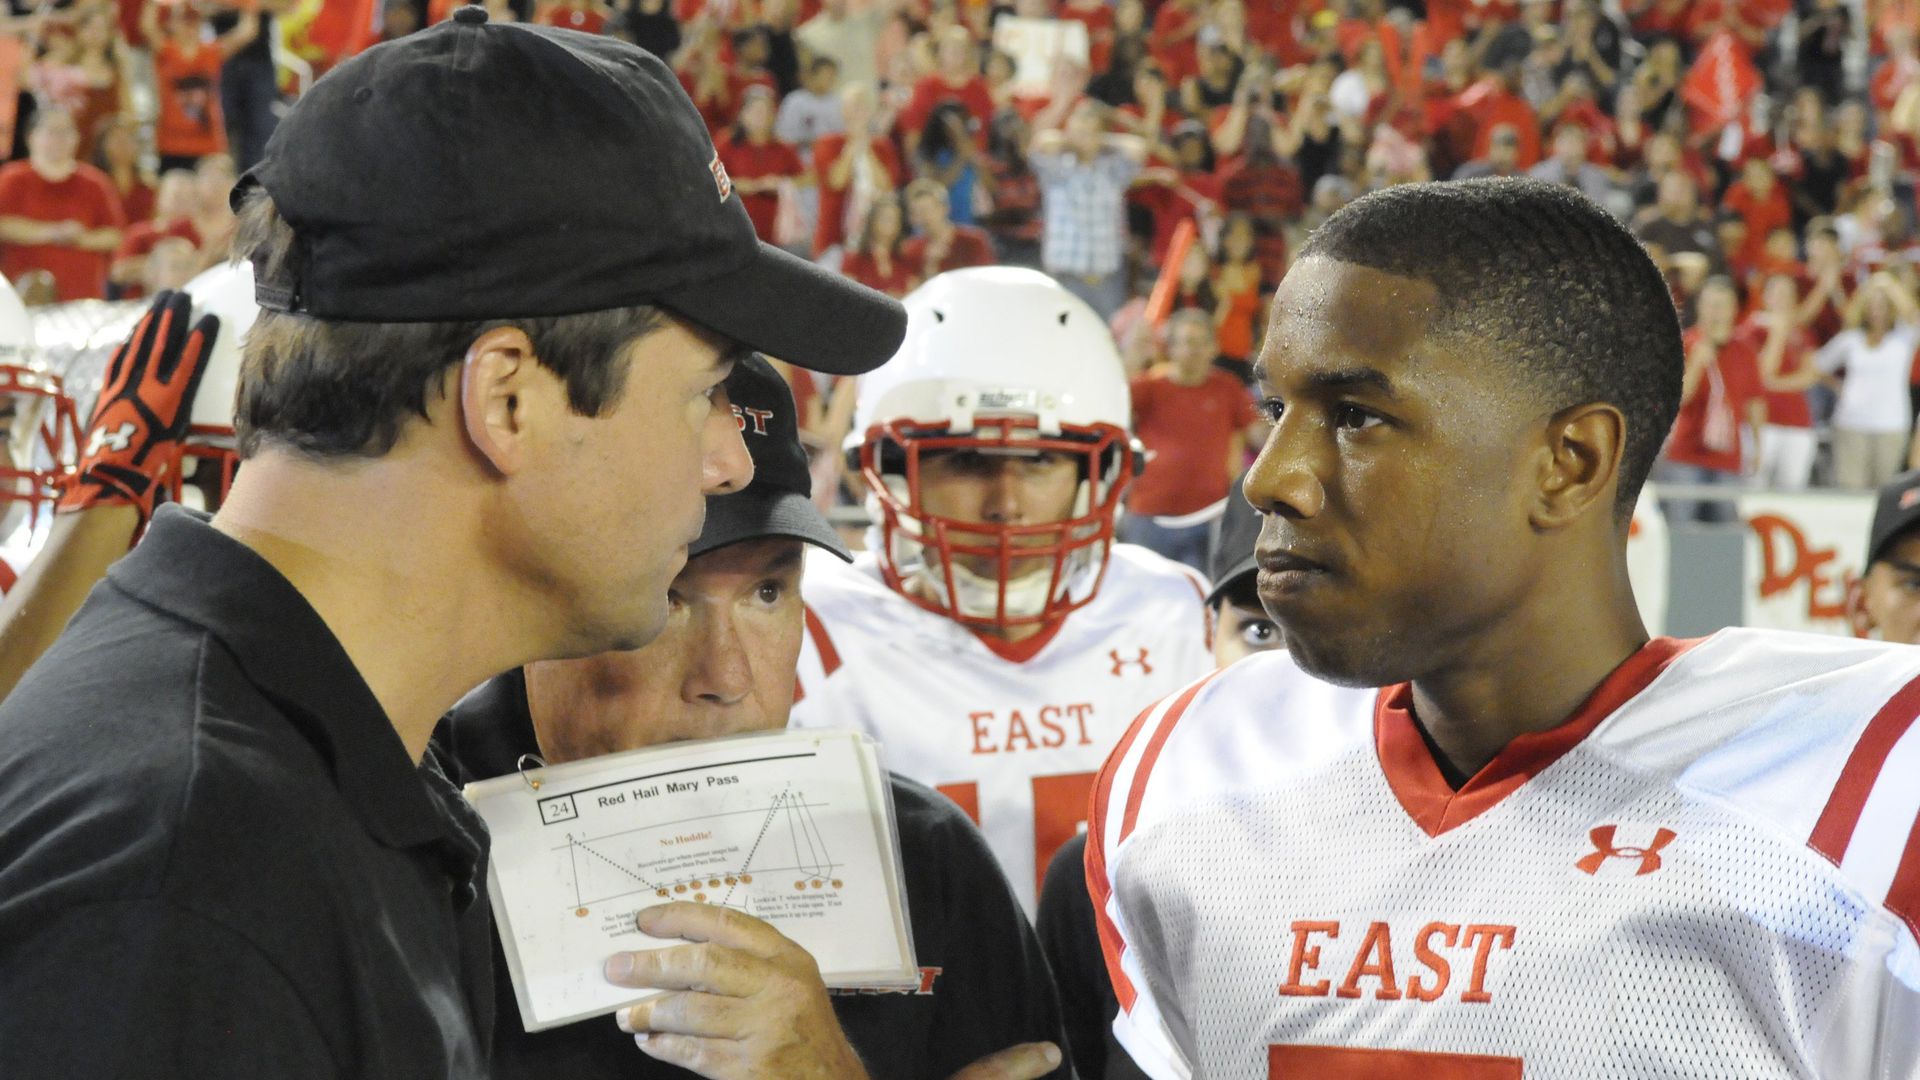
1896 511
779 501
482 170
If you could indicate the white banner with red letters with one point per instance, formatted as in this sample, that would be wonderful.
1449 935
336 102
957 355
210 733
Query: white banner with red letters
1803 552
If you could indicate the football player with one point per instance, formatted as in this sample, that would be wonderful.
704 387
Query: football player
151 429
1546 845
995 639
1065 918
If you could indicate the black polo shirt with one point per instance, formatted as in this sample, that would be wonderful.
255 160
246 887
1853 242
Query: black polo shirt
985 984
217 858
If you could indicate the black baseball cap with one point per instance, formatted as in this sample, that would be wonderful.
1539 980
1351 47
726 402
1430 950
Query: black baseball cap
779 501
1233 538
1897 511
482 170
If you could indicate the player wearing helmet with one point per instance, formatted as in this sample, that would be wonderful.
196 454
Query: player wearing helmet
150 425
995 638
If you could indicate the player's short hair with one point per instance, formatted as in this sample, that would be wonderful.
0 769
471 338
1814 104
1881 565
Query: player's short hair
1540 278
339 389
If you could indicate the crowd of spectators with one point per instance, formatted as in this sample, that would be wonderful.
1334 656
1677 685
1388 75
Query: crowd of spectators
1765 151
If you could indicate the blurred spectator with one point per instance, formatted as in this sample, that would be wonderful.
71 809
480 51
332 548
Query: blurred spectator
938 244
1721 407
874 259
1568 164
249 83
945 152
1675 223
1084 174
850 37
853 169
58 213
1776 333
117 153
1873 358
650 24
186 69
80 69
1823 35
398 18
1503 156
1238 283
758 162
213 218
814 109
170 265
1761 201
1196 422
1011 193
956 77
177 199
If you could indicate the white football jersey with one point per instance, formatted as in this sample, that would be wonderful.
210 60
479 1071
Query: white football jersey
1015 739
1711 870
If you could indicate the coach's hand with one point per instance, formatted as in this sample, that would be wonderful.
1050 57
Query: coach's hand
143 409
744 1001
1028 1061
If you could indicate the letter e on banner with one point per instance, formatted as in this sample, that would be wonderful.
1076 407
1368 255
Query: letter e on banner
1803 551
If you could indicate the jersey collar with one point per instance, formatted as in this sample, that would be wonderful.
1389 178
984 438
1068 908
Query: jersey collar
1423 790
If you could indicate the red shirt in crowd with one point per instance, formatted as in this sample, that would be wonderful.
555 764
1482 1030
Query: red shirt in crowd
1762 213
746 160
86 197
832 227
1187 431
931 90
1492 105
862 268
139 240
188 84
1708 430
1785 408
971 246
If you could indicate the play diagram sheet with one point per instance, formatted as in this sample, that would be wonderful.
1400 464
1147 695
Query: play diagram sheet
795 828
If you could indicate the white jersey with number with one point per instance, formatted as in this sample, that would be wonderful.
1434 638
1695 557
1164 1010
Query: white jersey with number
1014 741
1711 871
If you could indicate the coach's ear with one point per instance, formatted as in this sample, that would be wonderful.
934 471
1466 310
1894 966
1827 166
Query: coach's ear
501 387
1579 465
1859 619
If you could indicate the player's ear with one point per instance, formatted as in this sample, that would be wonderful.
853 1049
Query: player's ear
1859 618
496 377
1579 465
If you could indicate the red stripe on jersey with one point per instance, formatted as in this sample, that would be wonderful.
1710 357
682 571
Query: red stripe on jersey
1098 885
1152 753
1422 788
1903 897
817 630
965 796
1834 831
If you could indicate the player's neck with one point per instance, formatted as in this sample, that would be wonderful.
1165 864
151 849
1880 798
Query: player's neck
1527 673
421 623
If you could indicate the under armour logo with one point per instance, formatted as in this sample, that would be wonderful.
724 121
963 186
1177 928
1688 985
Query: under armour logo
721 181
756 417
1120 663
1602 837
118 439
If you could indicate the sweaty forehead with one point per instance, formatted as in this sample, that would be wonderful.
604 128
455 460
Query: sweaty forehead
1327 310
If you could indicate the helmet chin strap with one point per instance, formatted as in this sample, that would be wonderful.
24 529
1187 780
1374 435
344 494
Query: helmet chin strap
978 596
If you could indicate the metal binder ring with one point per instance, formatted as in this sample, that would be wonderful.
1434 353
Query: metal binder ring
520 766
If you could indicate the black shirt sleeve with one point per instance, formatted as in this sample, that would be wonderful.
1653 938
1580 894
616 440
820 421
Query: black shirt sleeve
1065 923
146 988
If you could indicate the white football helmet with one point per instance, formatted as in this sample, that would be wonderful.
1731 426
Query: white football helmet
225 290
39 424
996 360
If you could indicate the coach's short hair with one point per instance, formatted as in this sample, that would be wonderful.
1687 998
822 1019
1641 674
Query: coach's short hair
1541 278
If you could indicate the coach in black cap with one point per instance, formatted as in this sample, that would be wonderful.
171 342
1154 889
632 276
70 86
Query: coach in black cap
498 267
1885 602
